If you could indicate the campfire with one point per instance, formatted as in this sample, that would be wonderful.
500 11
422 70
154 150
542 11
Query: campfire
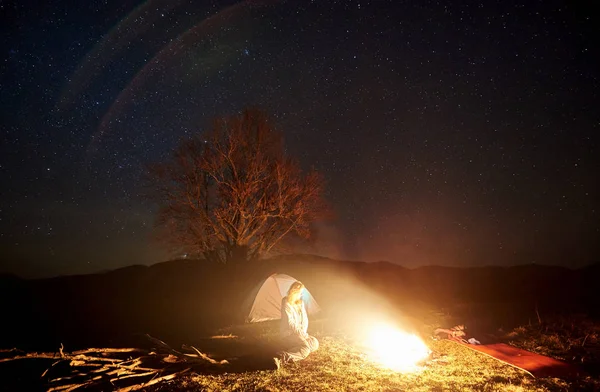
396 349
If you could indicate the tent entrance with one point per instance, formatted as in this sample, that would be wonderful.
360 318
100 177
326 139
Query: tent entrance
266 299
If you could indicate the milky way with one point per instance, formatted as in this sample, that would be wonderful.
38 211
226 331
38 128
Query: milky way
448 134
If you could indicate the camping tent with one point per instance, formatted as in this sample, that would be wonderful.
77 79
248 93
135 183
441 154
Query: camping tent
266 298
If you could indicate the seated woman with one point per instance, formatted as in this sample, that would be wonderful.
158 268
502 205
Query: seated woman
297 343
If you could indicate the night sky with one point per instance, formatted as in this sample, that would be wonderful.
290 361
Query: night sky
449 133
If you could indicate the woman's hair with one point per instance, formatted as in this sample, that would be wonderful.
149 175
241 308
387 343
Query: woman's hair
294 292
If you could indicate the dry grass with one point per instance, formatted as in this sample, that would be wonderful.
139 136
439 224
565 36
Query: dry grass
340 365
574 339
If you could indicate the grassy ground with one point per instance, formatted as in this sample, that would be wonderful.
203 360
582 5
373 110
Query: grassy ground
574 339
339 365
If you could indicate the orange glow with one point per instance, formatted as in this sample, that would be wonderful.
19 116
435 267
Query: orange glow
395 349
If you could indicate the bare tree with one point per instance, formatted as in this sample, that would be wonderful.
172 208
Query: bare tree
232 193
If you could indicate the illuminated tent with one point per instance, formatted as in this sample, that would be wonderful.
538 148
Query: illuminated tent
266 298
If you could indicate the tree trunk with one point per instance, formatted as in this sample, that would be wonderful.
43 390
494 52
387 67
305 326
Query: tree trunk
239 254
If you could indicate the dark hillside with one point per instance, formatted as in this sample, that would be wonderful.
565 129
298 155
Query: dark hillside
182 300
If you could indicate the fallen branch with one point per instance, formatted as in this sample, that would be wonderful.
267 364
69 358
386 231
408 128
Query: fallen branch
107 350
205 357
63 387
46 371
132 375
137 387
62 355
586 336
114 368
31 356
184 356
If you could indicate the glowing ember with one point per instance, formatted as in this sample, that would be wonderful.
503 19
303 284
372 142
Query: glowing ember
395 349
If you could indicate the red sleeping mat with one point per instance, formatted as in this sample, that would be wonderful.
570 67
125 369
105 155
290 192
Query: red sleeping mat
535 364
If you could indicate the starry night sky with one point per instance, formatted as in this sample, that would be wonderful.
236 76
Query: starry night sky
457 133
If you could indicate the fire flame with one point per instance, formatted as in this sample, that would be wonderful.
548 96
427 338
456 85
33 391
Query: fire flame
396 349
